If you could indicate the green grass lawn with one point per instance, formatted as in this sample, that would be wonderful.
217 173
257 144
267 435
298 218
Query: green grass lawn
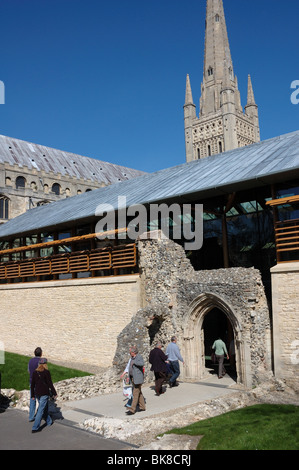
258 427
14 373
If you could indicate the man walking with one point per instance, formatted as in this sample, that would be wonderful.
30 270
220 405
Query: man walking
158 359
136 375
174 356
220 349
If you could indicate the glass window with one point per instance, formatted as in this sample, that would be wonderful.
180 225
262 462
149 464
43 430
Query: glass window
56 189
64 248
46 237
20 182
31 240
287 211
83 230
42 203
4 207
250 234
250 207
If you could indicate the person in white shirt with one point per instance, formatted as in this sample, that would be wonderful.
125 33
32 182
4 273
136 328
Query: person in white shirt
174 356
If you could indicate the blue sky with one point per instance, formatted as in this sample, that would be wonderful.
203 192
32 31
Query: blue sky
107 79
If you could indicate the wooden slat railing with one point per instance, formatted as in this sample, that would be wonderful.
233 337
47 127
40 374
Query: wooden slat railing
124 256
287 238
286 231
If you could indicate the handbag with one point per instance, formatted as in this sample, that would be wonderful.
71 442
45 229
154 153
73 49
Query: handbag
127 387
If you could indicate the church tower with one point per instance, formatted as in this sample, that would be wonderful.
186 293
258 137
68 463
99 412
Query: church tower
222 124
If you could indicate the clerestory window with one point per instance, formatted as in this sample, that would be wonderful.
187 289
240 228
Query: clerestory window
20 182
56 189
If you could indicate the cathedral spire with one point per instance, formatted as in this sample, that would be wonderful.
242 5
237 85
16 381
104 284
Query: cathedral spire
250 95
188 96
218 65
189 118
217 51
222 123
251 110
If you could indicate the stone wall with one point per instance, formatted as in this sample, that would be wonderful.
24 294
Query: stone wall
75 322
285 302
94 321
177 298
38 187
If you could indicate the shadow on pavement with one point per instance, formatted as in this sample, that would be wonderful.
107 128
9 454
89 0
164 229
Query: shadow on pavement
15 432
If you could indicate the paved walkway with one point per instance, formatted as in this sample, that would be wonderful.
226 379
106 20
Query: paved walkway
113 405
64 434
15 434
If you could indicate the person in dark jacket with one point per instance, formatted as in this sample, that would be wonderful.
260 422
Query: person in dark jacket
41 387
32 365
158 360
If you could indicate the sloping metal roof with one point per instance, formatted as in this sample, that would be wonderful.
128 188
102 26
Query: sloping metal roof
259 164
35 156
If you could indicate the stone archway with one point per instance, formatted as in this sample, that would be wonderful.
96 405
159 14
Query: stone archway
193 347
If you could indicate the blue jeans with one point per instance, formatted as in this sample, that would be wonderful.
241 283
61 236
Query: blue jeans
175 370
129 403
42 413
32 407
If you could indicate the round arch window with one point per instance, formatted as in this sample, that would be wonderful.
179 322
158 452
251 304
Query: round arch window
20 182
56 189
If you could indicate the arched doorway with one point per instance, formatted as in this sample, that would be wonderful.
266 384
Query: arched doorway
216 325
209 315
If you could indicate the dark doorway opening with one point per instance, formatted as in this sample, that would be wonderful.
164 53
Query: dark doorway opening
217 325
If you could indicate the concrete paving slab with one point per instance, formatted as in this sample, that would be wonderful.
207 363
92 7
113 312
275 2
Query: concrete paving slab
113 405
65 433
